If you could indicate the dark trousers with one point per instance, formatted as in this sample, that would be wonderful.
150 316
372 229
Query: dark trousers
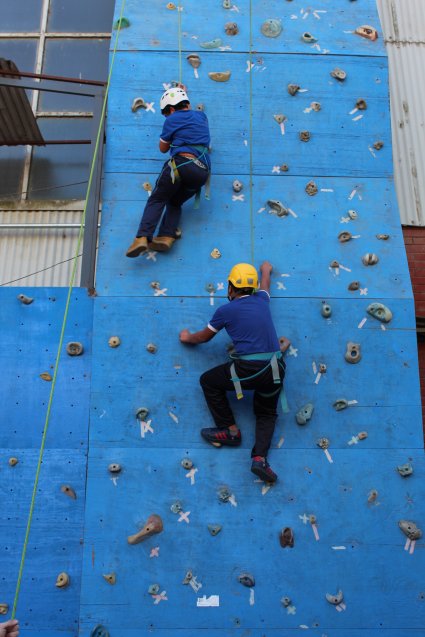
216 382
171 196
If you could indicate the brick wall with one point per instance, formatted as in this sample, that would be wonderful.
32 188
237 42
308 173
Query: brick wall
414 238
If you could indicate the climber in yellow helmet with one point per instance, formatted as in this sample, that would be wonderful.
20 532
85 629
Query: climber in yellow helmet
257 363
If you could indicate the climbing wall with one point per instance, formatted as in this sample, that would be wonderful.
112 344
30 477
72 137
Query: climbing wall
30 337
318 202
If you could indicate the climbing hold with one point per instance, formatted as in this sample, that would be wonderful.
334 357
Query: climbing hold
370 258
354 285
138 102
220 76
227 4
188 577
246 579
200 107
122 23
214 529
186 463
69 491
304 414
154 589
353 215
176 507
210 287
339 74
380 312
271 28
378 145
284 343
293 89
153 525
216 254
194 60
4 609
345 236
277 207
26 300
383 237
284 168
171 6
286 538
178 233
142 413
362 435
340 404
111 578
155 285
334 264
308 37
280 118
311 188
224 494
62 580
353 355
286 601
114 341
316 106
322 368
211 44
13 462
368 32
114 468
151 348
361 105
237 185
74 349
304 135
326 310
372 495
231 28
410 529
405 470
312 518
99 631
335 599
147 186
46 376
323 443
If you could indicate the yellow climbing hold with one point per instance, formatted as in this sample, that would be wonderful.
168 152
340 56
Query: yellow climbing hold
13 462
46 376
171 6
62 580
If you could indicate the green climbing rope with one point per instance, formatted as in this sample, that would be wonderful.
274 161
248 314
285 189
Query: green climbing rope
251 203
179 21
64 321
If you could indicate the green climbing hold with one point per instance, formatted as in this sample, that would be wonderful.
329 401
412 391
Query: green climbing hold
122 23
99 631
271 28
211 44
304 414
380 312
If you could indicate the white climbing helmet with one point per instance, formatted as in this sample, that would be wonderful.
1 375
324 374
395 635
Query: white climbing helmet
172 96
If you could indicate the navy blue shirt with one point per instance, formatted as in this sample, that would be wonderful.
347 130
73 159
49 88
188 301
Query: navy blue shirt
183 128
248 322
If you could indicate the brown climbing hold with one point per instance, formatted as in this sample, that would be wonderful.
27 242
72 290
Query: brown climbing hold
316 106
293 89
200 107
171 6
111 578
215 253
26 300
237 185
138 102
13 462
362 435
280 118
383 237
114 468
323 443
46 376
339 74
370 258
220 76
194 60
147 186
74 349
155 285
286 538
69 491
153 525
304 136
62 580
372 495
311 189
4 609
322 368
345 236
378 145
284 343
334 264
114 341
284 168
361 105
151 348
368 32
354 285
312 518
231 28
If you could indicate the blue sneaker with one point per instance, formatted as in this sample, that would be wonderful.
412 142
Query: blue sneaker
262 469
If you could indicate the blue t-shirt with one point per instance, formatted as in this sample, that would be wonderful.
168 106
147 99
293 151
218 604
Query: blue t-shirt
248 322
183 128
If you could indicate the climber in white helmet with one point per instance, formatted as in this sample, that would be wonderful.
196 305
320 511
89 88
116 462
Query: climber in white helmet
186 135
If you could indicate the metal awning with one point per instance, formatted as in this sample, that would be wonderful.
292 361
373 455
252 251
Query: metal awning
18 125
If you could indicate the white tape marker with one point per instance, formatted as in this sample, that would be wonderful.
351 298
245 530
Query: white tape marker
353 111
265 489
280 443
161 597
251 597
282 128
145 427
339 548
352 402
314 367
362 322
328 455
371 151
154 552
326 190
232 501
195 585
173 417
185 517
407 545
316 532
357 118
318 377
260 210
344 268
114 480
383 328
352 194
412 546
211 601
196 74
211 298
291 212
191 475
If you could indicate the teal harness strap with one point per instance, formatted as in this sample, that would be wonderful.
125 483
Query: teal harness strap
175 173
272 357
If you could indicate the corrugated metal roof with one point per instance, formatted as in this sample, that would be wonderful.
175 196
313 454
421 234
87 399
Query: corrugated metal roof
403 24
18 125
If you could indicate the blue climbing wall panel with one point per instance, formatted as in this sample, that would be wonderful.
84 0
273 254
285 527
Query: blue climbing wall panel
30 341
356 545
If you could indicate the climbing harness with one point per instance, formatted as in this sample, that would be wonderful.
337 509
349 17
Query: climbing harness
174 169
64 321
274 361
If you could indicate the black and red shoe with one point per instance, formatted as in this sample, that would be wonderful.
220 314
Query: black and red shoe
219 437
262 469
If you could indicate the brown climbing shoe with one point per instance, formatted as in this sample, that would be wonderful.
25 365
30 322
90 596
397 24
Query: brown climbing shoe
139 245
161 244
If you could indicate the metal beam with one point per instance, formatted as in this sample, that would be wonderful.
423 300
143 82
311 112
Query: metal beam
53 86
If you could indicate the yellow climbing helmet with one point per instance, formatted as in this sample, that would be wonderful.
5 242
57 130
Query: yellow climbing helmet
243 275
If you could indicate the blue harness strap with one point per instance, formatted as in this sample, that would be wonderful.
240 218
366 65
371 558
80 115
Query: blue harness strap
273 358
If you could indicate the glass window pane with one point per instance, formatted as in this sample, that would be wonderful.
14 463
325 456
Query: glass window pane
57 171
81 16
20 15
22 52
85 59
12 159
